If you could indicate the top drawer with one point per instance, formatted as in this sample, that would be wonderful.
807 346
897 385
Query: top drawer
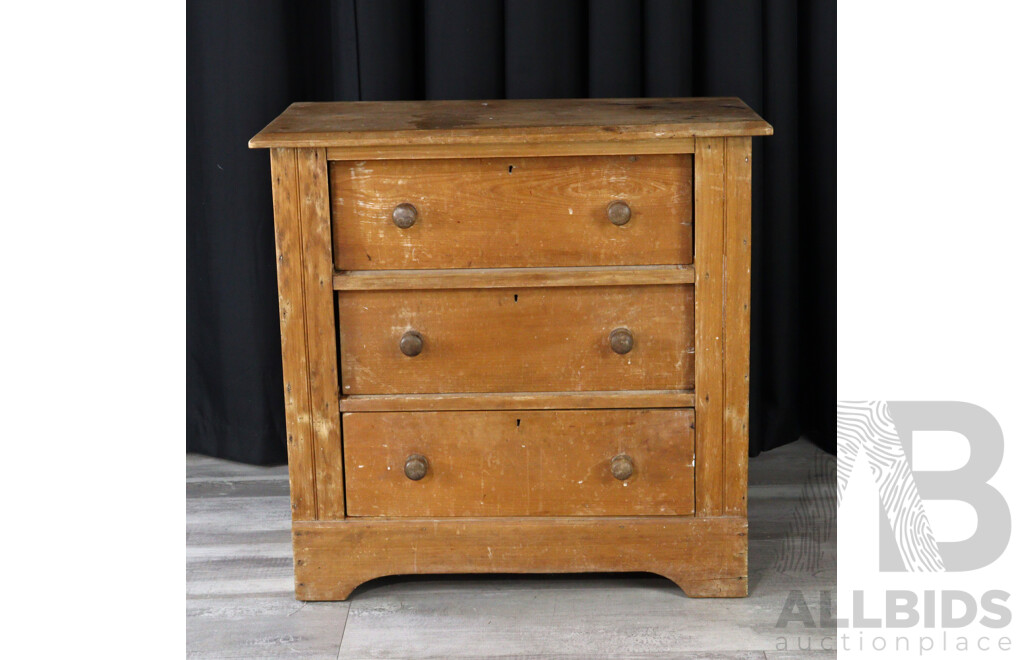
512 212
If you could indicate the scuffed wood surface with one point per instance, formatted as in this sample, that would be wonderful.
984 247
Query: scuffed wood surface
518 401
292 310
512 212
704 556
520 463
516 121
737 325
709 265
513 149
308 338
514 277
321 340
505 278
516 340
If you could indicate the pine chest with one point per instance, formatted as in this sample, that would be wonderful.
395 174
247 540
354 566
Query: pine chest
515 337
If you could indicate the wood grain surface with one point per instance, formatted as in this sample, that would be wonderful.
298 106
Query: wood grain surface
516 340
308 340
709 265
321 340
683 145
512 212
505 278
520 463
515 277
518 401
704 556
736 446
292 314
514 121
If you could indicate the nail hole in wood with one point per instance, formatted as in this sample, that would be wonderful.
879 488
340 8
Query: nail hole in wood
510 168
517 422
515 298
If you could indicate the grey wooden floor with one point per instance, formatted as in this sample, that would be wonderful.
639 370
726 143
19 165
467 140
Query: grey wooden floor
240 603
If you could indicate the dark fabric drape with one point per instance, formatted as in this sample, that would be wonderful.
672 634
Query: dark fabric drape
247 60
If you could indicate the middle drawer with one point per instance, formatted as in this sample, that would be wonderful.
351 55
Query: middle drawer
554 339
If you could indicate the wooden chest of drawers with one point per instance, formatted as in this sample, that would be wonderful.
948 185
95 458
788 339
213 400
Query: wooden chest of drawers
515 337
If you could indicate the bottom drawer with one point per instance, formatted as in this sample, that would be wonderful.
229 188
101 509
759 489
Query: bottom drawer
519 463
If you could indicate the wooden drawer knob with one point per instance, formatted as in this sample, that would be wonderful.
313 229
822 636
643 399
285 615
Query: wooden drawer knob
622 467
411 343
416 466
404 215
621 340
619 213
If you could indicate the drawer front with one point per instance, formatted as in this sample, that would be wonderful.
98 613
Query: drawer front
520 463
512 212
517 340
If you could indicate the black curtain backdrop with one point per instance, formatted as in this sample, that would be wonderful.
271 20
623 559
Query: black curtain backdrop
247 60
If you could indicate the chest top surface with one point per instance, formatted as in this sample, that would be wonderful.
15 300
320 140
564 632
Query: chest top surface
396 123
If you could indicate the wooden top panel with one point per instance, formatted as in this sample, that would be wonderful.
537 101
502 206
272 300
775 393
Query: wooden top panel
514 121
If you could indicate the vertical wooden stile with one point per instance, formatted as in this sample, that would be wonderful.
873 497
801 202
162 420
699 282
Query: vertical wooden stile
288 242
737 331
315 213
709 264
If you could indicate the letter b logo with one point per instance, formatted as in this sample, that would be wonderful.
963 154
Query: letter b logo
884 430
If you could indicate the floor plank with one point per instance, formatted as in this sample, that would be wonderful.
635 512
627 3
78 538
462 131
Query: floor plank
263 626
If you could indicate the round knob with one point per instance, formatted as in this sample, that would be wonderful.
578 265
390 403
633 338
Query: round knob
411 343
404 215
621 340
622 467
416 467
619 213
